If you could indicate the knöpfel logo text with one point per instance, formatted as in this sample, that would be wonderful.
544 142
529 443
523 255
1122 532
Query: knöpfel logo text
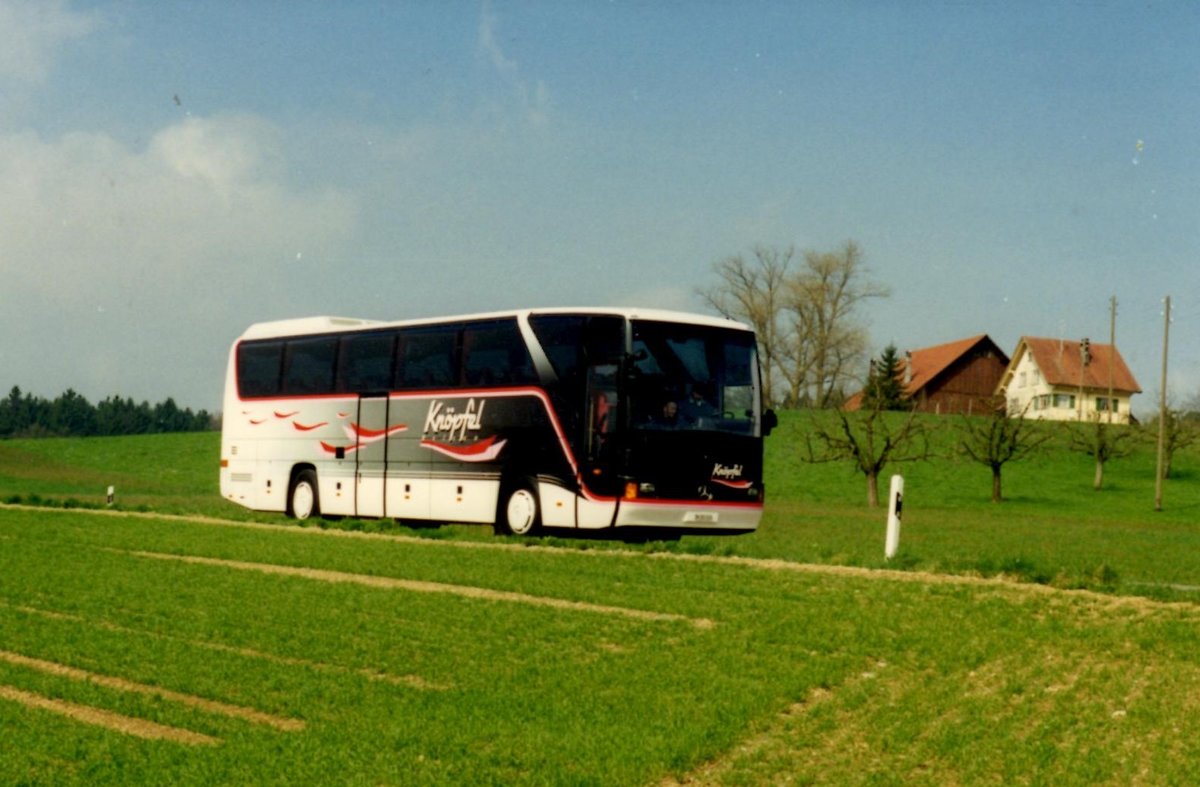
726 471
450 424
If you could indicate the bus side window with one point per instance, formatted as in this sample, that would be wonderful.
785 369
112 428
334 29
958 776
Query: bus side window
308 366
428 358
365 363
258 366
495 354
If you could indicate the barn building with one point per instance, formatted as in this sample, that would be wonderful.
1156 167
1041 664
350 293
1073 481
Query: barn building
956 377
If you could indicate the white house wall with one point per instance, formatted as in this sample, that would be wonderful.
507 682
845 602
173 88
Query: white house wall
1029 394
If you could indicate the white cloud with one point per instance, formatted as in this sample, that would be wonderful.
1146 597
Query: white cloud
129 271
33 32
84 214
490 46
225 155
532 97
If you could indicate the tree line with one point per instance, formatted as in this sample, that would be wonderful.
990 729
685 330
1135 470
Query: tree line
72 415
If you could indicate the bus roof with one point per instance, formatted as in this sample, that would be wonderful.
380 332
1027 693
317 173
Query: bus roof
327 324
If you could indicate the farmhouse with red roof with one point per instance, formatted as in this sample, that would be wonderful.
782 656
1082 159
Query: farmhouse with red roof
1065 380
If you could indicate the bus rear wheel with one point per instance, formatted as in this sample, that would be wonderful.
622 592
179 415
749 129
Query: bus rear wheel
519 514
303 500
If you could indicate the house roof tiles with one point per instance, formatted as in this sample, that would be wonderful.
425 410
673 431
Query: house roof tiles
1060 363
929 362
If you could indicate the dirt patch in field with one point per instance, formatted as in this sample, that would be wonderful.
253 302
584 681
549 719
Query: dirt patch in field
112 721
120 684
420 586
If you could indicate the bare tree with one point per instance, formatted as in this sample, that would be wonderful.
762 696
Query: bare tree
997 439
810 335
1181 431
1191 405
870 440
753 290
1102 441
824 298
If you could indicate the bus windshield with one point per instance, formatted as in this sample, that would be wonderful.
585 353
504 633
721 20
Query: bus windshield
694 377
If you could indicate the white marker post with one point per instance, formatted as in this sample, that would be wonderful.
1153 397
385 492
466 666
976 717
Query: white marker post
895 504
112 493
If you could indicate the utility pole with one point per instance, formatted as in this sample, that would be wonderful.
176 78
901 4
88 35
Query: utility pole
1162 408
1112 352
1085 357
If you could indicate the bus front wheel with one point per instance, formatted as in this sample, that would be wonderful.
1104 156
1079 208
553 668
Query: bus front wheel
303 501
519 515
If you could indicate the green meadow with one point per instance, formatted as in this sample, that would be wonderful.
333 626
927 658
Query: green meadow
176 638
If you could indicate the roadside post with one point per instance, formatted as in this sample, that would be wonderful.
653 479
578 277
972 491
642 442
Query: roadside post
112 493
895 504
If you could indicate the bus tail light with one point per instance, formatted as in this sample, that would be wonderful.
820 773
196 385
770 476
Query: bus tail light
631 490
224 464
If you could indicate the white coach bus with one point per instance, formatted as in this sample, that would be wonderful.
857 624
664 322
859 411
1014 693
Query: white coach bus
584 418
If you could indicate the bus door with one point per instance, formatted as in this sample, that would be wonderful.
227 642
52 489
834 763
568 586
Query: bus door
602 456
371 455
602 414
604 344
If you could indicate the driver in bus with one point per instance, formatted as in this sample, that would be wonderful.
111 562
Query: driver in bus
669 419
697 406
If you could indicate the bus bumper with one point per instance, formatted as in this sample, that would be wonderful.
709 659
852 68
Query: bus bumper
688 516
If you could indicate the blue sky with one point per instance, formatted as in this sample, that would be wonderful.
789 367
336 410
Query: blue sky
173 172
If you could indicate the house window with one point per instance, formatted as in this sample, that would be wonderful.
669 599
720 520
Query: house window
1066 401
1102 404
1022 383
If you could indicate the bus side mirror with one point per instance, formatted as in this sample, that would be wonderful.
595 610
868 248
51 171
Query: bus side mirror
769 421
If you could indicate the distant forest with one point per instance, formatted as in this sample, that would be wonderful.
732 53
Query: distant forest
71 415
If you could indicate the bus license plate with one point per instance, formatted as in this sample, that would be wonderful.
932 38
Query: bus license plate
701 517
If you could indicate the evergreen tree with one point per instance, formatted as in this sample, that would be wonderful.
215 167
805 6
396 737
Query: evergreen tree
10 408
71 414
885 386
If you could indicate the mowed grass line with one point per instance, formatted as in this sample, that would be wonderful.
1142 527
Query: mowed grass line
212 706
414 586
842 676
766 564
414 681
108 720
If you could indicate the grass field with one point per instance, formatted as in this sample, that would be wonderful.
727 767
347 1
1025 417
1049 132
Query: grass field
183 640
